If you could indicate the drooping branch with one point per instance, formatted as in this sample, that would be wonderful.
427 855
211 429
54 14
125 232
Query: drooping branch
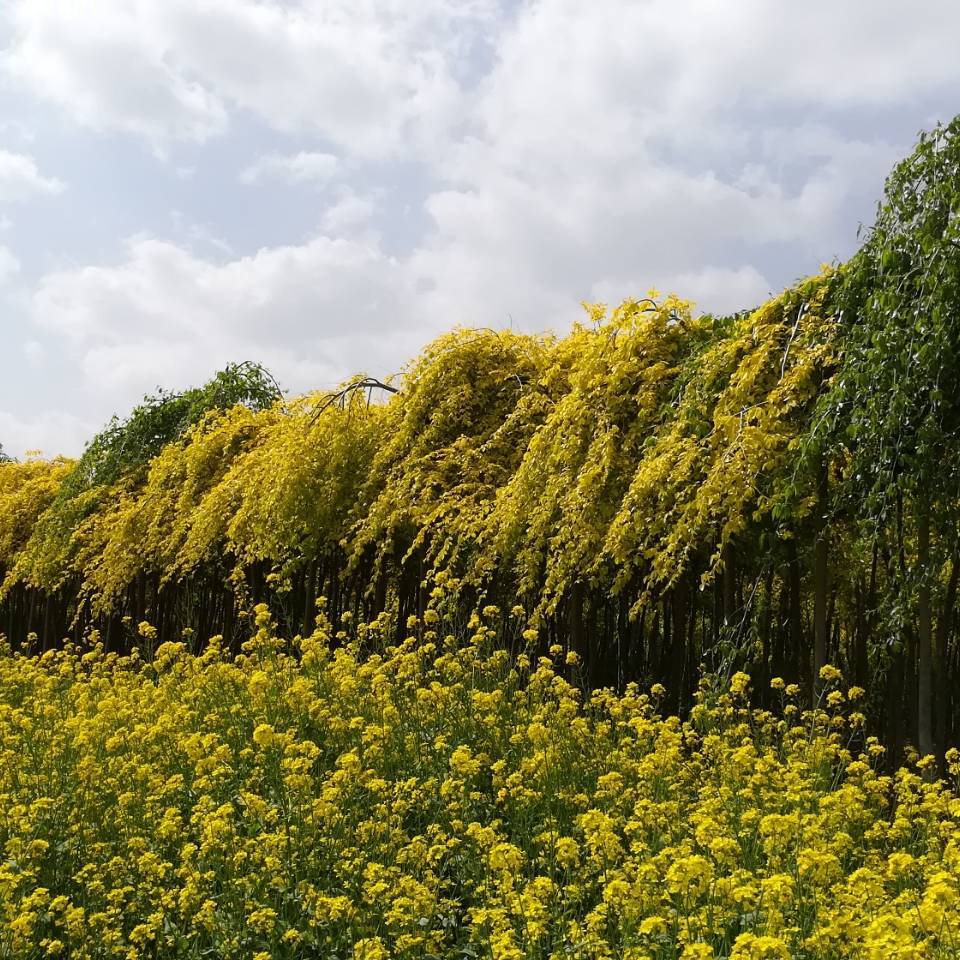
340 396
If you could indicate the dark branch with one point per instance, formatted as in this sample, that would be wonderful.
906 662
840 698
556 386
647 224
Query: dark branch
340 396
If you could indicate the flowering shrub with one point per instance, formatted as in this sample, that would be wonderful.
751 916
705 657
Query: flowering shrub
439 799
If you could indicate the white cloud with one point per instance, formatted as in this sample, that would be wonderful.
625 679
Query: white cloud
509 248
350 214
35 352
312 313
111 66
721 290
20 178
562 151
51 433
676 145
9 265
663 67
385 75
198 234
302 167
370 76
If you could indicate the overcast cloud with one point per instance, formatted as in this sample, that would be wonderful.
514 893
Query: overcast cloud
325 185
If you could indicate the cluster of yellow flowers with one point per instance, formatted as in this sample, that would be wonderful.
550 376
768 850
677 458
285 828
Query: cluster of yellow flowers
444 799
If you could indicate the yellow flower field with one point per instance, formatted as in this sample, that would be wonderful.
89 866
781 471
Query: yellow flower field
441 799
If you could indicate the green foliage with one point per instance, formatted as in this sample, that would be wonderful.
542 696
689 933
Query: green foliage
891 417
124 446
895 405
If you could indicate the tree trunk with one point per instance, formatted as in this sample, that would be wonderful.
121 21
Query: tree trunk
796 613
941 660
678 653
575 625
820 585
765 646
895 712
729 588
924 644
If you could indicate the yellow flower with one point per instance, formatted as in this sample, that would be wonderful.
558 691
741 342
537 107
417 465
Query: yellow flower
653 926
264 735
747 946
830 674
689 876
506 857
370 949
463 762
567 852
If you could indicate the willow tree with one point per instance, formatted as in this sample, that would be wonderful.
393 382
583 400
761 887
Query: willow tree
285 508
452 439
608 382
113 465
26 491
710 498
894 407
152 530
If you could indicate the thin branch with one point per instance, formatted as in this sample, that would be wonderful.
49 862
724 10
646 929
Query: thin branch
260 368
793 333
366 383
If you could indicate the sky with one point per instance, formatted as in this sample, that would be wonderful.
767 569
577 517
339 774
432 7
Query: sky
324 186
